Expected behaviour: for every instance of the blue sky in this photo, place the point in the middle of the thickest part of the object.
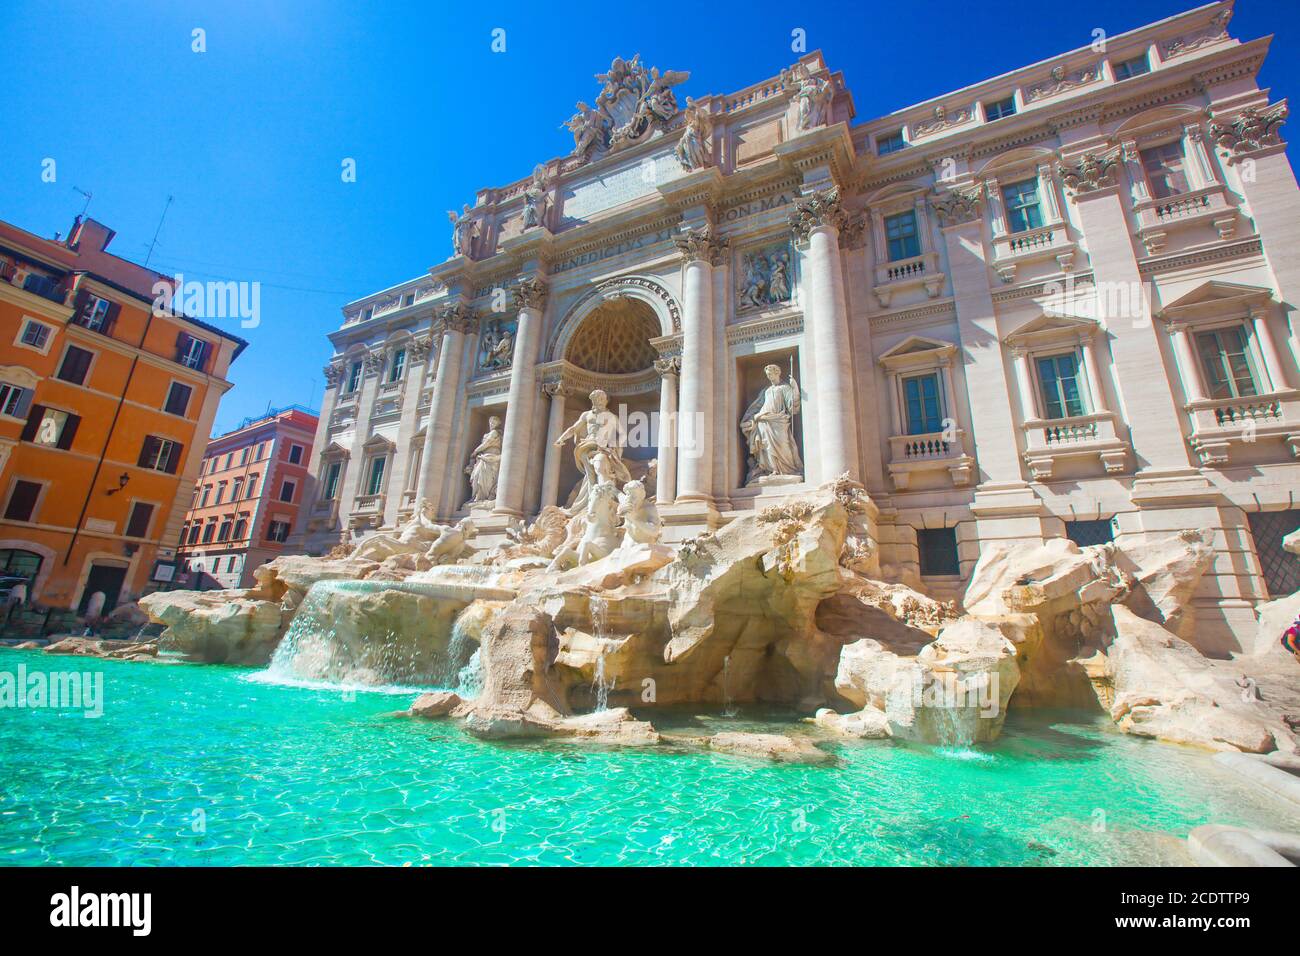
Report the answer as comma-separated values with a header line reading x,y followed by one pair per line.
x,y
249,137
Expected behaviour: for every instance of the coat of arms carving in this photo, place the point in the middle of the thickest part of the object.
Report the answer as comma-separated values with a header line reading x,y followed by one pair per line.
x,y
633,103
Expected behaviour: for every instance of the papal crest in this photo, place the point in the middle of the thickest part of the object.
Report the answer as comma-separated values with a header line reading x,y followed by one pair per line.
x,y
632,104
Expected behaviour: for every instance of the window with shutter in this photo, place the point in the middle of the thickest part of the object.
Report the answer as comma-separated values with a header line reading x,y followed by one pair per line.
x,y
14,401
22,501
149,452
137,526
178,399
50,427
76,363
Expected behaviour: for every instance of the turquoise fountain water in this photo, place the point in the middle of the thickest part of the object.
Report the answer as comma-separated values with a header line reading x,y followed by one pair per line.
x,y
199,764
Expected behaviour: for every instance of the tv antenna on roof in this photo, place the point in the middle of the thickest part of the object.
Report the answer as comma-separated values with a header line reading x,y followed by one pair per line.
x,y
88,196
158,230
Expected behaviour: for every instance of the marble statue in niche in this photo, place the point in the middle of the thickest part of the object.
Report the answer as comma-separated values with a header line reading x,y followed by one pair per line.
x,y
768,427
597,450
765,277
485,465
497,345
463,231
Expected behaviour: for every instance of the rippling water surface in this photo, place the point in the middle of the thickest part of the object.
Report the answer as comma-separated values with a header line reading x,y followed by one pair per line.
x,y
207,765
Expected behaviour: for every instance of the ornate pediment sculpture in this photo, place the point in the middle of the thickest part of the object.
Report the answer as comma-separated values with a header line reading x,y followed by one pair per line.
x,y
633,103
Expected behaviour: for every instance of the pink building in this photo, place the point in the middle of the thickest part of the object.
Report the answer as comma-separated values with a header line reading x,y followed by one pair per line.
x,y
247,497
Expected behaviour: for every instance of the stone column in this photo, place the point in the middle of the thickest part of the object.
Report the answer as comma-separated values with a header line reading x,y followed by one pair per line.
x,y
666,484
354,479
1190,371
1025,383
557,392
457,322
1268,348
1093,372
817,219
700,247
520,404
417,355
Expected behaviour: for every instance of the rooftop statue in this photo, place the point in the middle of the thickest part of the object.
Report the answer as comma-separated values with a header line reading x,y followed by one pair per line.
x,y
694,150
463,231
536,199
812,97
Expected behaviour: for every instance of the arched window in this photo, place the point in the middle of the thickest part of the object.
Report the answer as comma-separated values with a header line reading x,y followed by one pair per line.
x,y
17,563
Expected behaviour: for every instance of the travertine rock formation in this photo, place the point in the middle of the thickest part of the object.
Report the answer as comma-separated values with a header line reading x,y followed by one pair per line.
x,y
219,627
773,608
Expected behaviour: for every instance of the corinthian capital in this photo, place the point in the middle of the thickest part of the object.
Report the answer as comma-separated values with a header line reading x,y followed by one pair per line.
x,y
672,365
333,374
458,318
531,293
822,208
957,206
1251,130
701,245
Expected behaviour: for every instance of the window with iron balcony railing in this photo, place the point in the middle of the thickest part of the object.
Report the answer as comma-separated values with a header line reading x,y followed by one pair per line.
x,y
926,440
1064,412
1240,400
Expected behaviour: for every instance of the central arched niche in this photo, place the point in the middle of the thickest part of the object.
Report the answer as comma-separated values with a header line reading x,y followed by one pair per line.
x,y
613,343
615,338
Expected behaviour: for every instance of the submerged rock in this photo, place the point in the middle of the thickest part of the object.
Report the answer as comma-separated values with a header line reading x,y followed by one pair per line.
x,y
438,703
775,747
108,650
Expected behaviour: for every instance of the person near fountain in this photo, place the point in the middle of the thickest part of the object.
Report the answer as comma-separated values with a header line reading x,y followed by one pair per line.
x,y
597,431
485,465
768,427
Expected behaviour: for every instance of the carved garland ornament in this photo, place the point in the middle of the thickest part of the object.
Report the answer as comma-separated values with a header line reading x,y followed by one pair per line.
x,y
957,206
1090,173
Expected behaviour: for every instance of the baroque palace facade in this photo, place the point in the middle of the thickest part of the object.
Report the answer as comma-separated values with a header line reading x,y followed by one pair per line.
x,y
1055,303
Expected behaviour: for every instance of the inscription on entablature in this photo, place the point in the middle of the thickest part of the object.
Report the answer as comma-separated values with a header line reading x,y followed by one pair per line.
x,y
745,210
616,249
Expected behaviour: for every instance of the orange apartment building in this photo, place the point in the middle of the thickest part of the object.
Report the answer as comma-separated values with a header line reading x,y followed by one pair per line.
x,y
246,500
105,407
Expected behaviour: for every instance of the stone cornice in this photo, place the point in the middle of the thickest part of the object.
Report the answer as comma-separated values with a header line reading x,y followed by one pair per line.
x,y
1217,253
